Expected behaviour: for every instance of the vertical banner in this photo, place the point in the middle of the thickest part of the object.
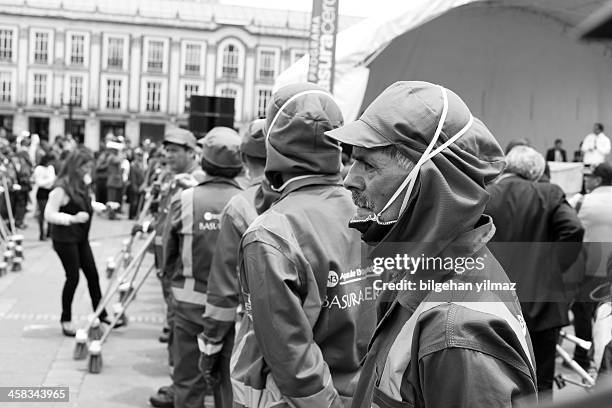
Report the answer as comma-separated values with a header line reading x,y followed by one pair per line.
x,y
322,48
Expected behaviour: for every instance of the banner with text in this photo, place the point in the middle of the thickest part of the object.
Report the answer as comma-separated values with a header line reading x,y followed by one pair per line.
x,y
322,48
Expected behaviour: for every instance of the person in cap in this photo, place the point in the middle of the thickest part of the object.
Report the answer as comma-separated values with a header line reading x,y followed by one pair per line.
x,y
189,242
114,182
223,293
309,313
421,165
545,236
183,172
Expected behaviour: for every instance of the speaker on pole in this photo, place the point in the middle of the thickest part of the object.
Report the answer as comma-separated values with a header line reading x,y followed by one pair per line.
x,y
207,112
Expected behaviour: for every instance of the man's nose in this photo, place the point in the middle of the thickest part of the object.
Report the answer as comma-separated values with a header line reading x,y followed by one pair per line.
x,y
354,180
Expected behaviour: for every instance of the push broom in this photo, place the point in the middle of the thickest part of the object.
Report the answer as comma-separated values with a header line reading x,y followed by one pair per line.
x,y
82,335
95,348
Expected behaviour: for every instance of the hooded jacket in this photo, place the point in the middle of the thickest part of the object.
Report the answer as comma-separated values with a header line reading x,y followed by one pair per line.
x,y
459,348
308,313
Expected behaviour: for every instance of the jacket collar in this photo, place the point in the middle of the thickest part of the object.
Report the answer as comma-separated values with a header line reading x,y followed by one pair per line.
x,y
315,179
219,180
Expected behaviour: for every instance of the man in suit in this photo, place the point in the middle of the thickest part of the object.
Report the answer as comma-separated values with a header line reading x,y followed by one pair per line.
x,y
534,242
556,153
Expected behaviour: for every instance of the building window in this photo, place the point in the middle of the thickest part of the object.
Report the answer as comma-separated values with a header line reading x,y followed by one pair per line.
x,y
113,93
6,83
115,53
267,64
155,61
153,96
263,96
6,45
41,48
190,89
229,92
192,59
40,89
77,52
230,61
76,91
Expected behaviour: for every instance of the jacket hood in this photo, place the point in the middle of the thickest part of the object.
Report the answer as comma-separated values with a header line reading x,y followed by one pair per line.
x,y
298,117
449,194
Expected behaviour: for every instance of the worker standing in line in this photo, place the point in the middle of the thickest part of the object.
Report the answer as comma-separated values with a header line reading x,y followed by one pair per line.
x,y
310,313
190,237
223,296
180,147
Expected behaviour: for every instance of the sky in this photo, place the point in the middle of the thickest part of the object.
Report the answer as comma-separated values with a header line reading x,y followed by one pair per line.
x,y
360,8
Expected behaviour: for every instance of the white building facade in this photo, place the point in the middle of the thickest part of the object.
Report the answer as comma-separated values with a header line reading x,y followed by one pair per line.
x,y
130,68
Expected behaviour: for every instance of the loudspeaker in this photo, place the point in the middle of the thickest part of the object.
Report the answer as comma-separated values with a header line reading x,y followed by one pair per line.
x,y
207,112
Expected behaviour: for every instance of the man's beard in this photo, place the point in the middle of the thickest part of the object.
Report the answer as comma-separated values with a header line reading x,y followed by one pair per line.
x,y
362,201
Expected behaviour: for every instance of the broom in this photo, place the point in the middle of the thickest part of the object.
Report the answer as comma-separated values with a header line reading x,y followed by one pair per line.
x,y
95,348
111,290
80,350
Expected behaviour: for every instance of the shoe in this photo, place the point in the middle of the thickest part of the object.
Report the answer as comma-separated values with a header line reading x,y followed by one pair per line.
x,y
164,337
120,323
165,400
21,226
166,330
68,330
165,389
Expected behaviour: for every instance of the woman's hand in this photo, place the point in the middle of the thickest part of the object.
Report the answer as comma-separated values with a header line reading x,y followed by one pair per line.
x,y
80,218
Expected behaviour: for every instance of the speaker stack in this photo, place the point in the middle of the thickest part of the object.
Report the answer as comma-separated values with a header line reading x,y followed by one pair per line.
x,y
207,112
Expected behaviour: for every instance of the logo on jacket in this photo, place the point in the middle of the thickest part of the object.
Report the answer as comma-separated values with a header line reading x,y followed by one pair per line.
x,y
211,222
332,279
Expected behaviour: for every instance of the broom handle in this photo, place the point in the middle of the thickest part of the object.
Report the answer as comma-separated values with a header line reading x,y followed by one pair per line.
x,y
579,370
9,208
128,300
112,289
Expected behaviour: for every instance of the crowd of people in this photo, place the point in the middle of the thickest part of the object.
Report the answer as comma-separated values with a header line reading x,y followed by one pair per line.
x,y
278,229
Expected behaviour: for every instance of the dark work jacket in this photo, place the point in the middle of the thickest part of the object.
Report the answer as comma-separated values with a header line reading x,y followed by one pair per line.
x,y
550,155
535,243
74,232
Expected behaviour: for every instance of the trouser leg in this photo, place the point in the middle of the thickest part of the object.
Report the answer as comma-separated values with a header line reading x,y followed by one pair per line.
x,y
583,328
69,256
189,385
545,350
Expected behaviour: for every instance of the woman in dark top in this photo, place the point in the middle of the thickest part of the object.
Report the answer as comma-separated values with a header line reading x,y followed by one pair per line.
x,y
69,210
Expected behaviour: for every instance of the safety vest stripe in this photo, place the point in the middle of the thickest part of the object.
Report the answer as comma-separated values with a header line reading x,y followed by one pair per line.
x,y
222,314
187,231
159,241
399,354
248,396
188,294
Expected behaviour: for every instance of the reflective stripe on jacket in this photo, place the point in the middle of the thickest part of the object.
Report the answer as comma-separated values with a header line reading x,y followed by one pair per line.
x,y
309,312
191,235
223,288
453,348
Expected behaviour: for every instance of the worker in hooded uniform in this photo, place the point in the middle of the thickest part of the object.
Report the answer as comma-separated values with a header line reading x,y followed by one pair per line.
x,y
421,165
309,313
223,295
183,171
190,238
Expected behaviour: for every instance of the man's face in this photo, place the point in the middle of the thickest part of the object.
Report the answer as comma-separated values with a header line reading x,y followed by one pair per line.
x,y
559,145
373,179
591,182
596,129
178,157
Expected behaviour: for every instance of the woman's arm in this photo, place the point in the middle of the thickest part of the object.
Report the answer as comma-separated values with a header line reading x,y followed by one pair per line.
x,y
57,199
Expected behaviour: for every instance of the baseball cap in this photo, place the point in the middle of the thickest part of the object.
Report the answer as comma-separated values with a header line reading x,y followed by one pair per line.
x,y
221,147
254,140
405,110
181,137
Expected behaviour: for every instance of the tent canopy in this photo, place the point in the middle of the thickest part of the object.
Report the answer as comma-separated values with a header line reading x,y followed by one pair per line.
x,y
516,63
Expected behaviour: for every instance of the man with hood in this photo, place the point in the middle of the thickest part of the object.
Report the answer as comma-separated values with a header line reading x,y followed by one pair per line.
x,y
223,293
191,232
421,165
309,313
